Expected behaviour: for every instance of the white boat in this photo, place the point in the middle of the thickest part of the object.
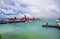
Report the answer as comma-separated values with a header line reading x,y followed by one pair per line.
x,y
58,24
58,21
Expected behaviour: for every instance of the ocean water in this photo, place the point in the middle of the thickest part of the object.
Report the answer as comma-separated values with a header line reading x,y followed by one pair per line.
x,y
29,30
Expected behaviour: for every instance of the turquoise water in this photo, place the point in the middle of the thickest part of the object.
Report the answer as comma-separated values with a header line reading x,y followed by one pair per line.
x,y
29,30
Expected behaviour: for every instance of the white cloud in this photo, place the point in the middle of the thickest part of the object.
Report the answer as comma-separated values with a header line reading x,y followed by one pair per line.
x,y
28,15
8,11
3,10
39,8
53,7
19,16
33,9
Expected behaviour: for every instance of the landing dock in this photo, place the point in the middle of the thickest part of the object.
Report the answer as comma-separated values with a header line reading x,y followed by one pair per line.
x,y
52,25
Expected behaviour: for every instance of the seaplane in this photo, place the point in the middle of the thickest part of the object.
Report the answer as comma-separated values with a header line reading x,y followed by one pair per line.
x,y
11,19
17,20
23,19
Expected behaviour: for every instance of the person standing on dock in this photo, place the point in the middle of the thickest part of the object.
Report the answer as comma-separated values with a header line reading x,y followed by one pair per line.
x,y
46,24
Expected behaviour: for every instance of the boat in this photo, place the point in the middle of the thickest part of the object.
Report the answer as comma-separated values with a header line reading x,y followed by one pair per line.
x,y
58,24
58,20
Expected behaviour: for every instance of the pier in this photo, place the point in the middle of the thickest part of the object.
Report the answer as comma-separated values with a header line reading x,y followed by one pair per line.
x,y
52,25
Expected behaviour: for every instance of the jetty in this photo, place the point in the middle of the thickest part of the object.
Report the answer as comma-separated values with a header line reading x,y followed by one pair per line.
x,y
52,25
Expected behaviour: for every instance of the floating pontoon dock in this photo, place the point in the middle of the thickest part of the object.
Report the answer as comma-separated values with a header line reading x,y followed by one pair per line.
x,y
53,26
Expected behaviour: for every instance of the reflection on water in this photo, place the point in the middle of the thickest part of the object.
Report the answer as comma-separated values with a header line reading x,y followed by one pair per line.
x,y
29,30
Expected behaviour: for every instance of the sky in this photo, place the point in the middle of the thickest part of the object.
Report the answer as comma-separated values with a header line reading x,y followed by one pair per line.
x,y
37,8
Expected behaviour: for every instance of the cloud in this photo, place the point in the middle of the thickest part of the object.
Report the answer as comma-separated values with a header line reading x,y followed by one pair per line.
x,y
9,2
37,8
52,7
33,9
